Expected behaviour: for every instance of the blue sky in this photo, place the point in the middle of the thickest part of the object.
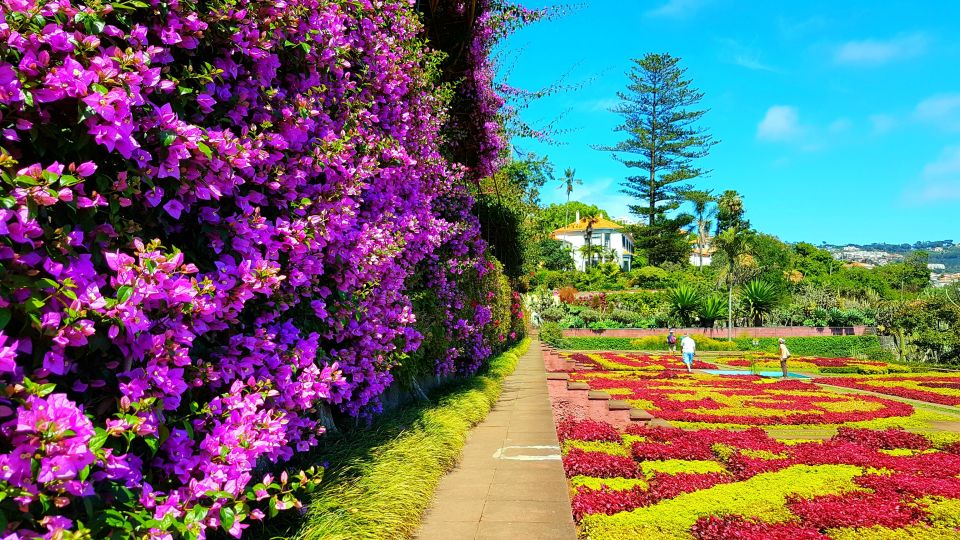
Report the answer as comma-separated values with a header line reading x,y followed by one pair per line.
x,y
838,123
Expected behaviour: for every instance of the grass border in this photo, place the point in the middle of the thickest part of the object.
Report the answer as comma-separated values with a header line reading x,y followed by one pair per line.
x,y
385,476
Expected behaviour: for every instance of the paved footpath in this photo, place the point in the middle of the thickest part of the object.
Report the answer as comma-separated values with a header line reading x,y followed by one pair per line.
x,y
509,483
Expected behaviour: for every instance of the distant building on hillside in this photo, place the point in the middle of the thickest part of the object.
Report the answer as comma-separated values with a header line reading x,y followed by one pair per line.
x,y
610,237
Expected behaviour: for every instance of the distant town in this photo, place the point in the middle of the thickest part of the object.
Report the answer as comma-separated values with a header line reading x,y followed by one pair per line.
x,y
944,255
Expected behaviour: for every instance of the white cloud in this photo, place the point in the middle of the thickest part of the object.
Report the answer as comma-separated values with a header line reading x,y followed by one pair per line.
x,y
947,164
881,124
875,52
677,8
940,181
737,53
780,123
942,110
598,105
840,125
750,62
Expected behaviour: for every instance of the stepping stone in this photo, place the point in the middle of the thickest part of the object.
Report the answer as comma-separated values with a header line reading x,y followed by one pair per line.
x,y
618,405
578,386
640,415
598,394
558,376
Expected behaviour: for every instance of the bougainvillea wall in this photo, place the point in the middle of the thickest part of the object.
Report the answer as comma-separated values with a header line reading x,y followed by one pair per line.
x,y
213,216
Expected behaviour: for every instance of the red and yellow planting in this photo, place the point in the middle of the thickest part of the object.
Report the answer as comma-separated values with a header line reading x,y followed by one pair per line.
x,y
741,400
610,361
713,484
933,388
814,364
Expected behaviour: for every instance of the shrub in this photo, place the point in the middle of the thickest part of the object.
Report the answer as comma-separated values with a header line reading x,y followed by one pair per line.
x,y
551,333
568,295
211,217
823,346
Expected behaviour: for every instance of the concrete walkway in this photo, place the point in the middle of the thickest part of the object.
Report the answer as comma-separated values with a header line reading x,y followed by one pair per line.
x,y
510,482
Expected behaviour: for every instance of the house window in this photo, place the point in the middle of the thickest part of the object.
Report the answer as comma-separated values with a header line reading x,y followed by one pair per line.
x,y
606,240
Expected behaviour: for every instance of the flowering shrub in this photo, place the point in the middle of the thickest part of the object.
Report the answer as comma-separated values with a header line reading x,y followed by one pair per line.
x,y
211,218
931,388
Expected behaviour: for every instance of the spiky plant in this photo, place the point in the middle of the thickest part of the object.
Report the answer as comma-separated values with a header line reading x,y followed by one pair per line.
x,y
760,297
712,309
685,302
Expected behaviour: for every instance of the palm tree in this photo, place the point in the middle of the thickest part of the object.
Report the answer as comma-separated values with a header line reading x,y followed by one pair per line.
x,y
732,242
569,180
591,219
761,297
704,212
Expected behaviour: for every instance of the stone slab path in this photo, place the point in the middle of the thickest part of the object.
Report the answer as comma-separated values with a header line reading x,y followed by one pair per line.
x,y
510,482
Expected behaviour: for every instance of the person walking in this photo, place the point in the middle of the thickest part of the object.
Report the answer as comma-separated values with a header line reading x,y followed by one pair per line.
x,y
672,342
784,355
689,348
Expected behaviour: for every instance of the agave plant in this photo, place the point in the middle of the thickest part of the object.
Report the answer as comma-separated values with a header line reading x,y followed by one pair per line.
x,y
712,309
684,301
760,297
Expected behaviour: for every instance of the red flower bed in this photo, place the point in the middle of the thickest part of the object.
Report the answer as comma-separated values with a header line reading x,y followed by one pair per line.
x,y
889,499
900,386
587,430
808,408
598,464
856,509
886,439
607,501
662,486
727,527
632,361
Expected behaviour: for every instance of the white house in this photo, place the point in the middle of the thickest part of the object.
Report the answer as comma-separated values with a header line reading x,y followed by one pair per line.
x,y
702,257
606,234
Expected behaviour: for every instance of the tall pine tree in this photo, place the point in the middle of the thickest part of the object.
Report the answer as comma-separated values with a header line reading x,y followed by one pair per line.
x,y
663,140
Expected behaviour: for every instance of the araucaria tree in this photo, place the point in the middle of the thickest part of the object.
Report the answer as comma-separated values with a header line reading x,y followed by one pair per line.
x,y
663,138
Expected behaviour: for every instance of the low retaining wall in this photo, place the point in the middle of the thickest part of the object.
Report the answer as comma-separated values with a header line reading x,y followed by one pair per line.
x,y
758,332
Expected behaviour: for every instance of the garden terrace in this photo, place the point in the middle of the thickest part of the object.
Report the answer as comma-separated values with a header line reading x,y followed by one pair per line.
x,y
823,463
934,388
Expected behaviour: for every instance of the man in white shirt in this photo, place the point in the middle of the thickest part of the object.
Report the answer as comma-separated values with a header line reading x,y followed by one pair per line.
x,y
688,347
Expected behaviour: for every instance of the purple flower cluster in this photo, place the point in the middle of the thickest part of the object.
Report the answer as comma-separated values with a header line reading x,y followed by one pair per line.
x,y
210,222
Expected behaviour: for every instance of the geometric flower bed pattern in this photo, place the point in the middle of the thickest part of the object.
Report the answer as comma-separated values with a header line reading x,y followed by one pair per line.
x,y
942,389
741,400
636,362
814,364
713,484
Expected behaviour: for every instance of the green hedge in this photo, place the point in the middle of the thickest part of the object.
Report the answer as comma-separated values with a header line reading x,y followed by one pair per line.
x,y
822,346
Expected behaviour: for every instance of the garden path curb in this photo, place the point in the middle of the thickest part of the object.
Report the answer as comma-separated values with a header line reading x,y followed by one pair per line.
x,y
509,483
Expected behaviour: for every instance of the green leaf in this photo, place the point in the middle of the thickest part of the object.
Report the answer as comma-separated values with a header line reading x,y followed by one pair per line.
x,y
204,149
98,440
4,318
33,304
227,517
48,283
124,293
46,389
68,180
167,137
153,443
25,181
